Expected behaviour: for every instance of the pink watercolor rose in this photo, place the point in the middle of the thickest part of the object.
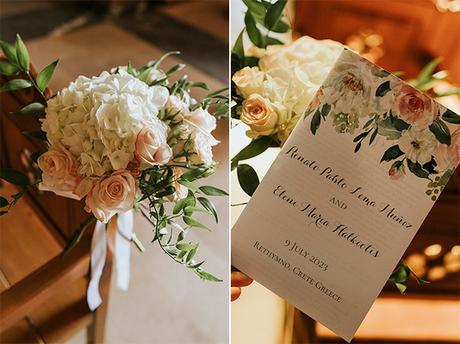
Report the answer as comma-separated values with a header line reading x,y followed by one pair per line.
x,y
448,156
112,195
414,107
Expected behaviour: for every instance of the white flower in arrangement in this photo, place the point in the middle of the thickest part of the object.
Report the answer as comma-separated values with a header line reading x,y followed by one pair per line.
x,y
287,77
259,114
248,80
97,119
418,144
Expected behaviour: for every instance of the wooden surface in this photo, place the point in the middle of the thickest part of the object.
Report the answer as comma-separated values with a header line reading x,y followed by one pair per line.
x,y
413,31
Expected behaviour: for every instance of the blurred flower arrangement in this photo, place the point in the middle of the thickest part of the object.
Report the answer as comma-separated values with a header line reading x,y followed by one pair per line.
x,y
126,139
274,82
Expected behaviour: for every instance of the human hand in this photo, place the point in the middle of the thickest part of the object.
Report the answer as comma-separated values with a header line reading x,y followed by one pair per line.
x,y
238,280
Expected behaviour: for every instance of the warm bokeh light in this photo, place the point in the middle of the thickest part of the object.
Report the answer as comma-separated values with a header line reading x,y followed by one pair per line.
x,y
417,263
437,272
433,251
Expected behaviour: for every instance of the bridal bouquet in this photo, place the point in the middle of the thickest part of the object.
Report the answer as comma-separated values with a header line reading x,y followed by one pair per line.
x,y
126,139
274,82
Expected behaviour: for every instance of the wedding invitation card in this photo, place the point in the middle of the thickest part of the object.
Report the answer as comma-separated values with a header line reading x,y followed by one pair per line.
x,y
347,193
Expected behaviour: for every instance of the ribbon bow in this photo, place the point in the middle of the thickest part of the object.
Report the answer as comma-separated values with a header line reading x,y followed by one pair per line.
x,y
122,252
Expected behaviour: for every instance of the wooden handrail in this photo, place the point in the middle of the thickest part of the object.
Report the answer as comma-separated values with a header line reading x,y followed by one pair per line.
x,y
24,296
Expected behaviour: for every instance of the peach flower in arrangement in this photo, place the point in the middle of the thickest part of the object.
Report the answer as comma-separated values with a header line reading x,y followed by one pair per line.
x,y
112,195
59,174
259,115
151,145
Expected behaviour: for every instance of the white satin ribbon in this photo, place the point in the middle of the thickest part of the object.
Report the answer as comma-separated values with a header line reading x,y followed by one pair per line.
x,y
99,251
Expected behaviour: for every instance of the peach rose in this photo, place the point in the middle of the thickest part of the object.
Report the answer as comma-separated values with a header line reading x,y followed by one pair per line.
x,y
259,115
112,195
414,107
59,174
448,156
151,146
181,190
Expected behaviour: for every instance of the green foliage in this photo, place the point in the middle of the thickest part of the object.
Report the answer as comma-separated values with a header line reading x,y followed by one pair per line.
x,y
18,60
248,179
45,75
157,187
14,85
401,276
256,147
33,109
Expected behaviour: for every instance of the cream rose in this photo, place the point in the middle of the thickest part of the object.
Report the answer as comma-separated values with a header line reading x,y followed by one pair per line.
x,y
248,80
202,119
59,174
151,146
111,195
259,115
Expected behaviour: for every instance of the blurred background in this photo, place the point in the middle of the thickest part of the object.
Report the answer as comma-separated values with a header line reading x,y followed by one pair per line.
x,y
403,36
165,303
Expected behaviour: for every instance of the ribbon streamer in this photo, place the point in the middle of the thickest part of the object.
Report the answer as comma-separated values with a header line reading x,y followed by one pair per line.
x,y
99,252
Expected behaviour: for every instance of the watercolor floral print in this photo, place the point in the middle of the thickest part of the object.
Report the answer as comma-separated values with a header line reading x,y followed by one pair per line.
x,y
367,102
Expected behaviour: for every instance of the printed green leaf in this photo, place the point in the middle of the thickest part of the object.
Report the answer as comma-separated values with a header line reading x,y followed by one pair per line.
x,y
441,131
381,73
417,169
248,179
391,153
253,32
373,136
274,13
451,117
383,89
315,122
34,109
7,68
212,191
14,85
14,177
325,110
22,54
45,75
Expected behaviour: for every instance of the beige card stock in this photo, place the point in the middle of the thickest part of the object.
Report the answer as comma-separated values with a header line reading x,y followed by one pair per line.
x,y
347,193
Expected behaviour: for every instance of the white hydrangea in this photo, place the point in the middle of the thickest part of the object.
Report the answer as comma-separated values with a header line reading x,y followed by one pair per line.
x,y
97,119
288,76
